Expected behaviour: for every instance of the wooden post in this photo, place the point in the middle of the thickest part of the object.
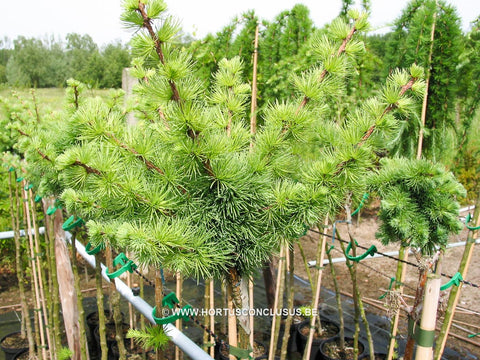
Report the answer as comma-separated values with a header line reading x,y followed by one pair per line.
x,y
68,296
455,291
426,333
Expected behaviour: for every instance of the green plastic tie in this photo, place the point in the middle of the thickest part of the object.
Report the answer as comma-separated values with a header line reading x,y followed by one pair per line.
x,y
473,335
467,220
93,251
331,248
52,208
425,338
170,300
37,198
28,187
11,169
127,265
71,224
362,202
455,280
371,251
392,280
20,179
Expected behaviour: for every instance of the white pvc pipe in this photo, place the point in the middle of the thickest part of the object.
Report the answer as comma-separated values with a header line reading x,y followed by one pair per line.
x,y
391,253
10,234
177,337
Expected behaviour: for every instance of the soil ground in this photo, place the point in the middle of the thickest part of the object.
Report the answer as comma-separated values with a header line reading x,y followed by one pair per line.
x,y
374,277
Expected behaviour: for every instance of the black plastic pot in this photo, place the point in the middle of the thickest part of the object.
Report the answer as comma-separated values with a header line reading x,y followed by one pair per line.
x,y
332,330
322,350
20,355
11,352
221,351
378,356
292,345
111,341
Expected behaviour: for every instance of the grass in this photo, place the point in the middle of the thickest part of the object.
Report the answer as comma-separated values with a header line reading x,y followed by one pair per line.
x,y
48,98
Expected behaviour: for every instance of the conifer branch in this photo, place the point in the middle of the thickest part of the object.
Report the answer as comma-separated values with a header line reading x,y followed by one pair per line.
x,y
389,108
147,23
23,133
372,128
45,157
87,168
324,73
142,158
147,163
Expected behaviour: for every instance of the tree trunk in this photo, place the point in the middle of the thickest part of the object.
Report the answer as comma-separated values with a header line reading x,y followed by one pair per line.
x,y
100,307
53,278
269,280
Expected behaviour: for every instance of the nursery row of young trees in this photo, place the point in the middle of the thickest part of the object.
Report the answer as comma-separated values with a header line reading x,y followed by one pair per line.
x,y
197,188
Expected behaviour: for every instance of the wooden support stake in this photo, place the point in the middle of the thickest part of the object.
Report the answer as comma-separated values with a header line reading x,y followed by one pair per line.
x,y
212,316
178,323
320,259
429,315
455,291
36,285
253,110
281,260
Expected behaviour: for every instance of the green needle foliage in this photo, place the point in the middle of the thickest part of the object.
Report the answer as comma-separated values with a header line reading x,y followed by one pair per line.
x,y
418,207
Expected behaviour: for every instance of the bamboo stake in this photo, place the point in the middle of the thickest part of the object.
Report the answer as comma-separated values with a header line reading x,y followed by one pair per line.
x,y
427,83
320,259
290,269
253,110
429,312
251,305
50,344
212,316
33,260
130,306
455,291
26,328
271,352
206,319
178,323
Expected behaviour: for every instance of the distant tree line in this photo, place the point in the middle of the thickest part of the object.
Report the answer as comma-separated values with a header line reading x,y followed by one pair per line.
x,y
33,62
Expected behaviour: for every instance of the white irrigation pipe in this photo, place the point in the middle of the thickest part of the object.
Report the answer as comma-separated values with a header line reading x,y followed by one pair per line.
x,y
177,337
391,253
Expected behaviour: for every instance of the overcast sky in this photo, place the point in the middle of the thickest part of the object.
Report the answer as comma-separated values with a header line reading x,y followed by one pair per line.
x,y
100,18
